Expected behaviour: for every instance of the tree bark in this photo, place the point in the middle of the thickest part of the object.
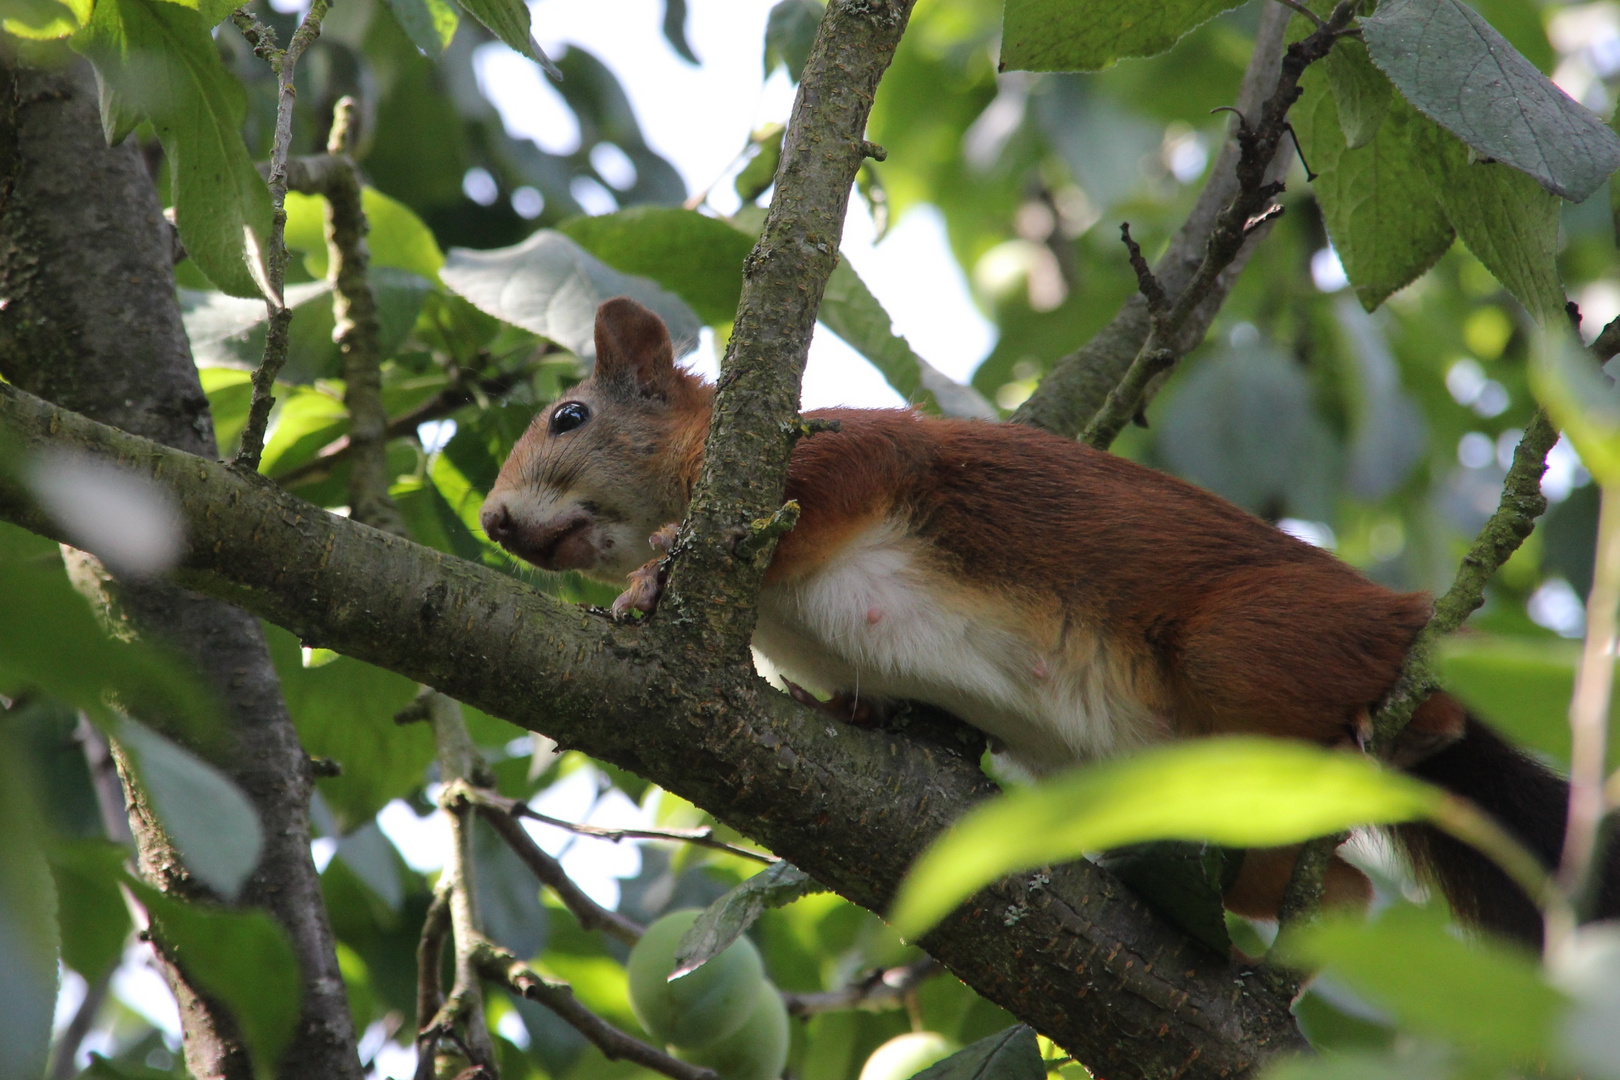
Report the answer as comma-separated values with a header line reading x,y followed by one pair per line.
x,y
1070,950
91,322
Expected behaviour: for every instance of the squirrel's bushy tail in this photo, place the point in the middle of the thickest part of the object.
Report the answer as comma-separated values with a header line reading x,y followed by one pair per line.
x,y
1529,800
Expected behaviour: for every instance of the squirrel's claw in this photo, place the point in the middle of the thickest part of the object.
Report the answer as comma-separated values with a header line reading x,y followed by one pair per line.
x,y
647,580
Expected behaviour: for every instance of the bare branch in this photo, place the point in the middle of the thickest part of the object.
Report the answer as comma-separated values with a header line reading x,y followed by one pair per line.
x,y
1249,209
499,965
1075,388
886,988
591,915
285,65
700,837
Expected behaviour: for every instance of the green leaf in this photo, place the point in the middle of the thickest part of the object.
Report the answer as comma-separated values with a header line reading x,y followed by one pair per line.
x,y
729,917
675,30
430,24
1183,881
239,958
158,60
1065,35
551,285
1241,792
1507,220
344,710
29,939
395,236
1522,687
213,825
1013,1054
49,640
849,310
230,395
229,332
509,21
43,20
91,910
1581,399
760,173
1490,1000
790,30
1386,226
1360,91
1449,62
694,256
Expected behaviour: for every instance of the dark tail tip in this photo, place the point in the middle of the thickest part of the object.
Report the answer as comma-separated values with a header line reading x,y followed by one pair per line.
x,y
1529,800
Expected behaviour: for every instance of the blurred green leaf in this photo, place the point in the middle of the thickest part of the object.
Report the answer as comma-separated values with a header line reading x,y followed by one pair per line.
x,y
43,20
1413,1060
430,23
230,395
1489,1000
509,21
158,60
1507,220
1581,399
29,939
1521,686
849,310
694,256
395,236
212,823
675,30
1013,1054
1241,792
240,958
551,285
1061,35
790,30
94,919
1450,63
1375,199
49,640
760,173
1183,881
1360,91
344,710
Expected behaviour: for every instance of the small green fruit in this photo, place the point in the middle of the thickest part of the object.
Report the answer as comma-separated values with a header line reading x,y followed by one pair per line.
x,y
756,1051
904,1056
702,1007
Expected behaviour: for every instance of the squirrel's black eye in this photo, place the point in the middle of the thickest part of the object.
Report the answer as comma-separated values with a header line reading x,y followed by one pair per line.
x,y
568,416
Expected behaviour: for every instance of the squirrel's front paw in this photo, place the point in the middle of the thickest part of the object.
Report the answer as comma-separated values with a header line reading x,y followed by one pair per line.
x,y
647,580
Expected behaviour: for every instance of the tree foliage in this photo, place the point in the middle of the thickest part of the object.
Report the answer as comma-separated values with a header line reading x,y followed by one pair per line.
x,y
1362,381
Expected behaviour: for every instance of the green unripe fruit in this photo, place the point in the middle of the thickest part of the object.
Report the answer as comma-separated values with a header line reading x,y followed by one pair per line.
x,y
756,1051
904,1056
699,1008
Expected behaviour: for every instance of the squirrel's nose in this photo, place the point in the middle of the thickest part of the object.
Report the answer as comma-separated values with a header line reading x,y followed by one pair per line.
x,y
497,522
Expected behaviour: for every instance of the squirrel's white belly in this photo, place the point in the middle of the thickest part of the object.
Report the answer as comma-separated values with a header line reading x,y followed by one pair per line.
x,y
881,620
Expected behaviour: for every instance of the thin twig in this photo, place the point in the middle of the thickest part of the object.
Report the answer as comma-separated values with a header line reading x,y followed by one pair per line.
x,y
1250,208
65,1065
1295,5
1580,866
701,837
499,965
357,333
1607,343
285,64
590,914
1153,292
886,988
461,391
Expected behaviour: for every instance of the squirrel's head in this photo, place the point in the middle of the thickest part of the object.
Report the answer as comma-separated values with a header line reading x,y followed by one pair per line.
x,y
610,462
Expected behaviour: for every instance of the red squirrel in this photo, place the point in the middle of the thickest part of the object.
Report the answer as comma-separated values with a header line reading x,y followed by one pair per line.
x,y
1070,603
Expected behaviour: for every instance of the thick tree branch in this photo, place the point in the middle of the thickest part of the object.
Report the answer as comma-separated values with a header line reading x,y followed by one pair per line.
x,y
1072,951
1075,388
712,586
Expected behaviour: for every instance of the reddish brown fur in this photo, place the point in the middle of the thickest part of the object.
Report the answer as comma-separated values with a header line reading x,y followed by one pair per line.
x,y
1207,619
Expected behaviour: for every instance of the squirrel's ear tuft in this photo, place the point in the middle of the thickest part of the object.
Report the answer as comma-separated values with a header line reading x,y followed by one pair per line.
x,y
633,349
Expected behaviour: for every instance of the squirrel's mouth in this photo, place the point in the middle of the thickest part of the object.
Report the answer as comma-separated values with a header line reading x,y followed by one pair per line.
x,y
566,544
